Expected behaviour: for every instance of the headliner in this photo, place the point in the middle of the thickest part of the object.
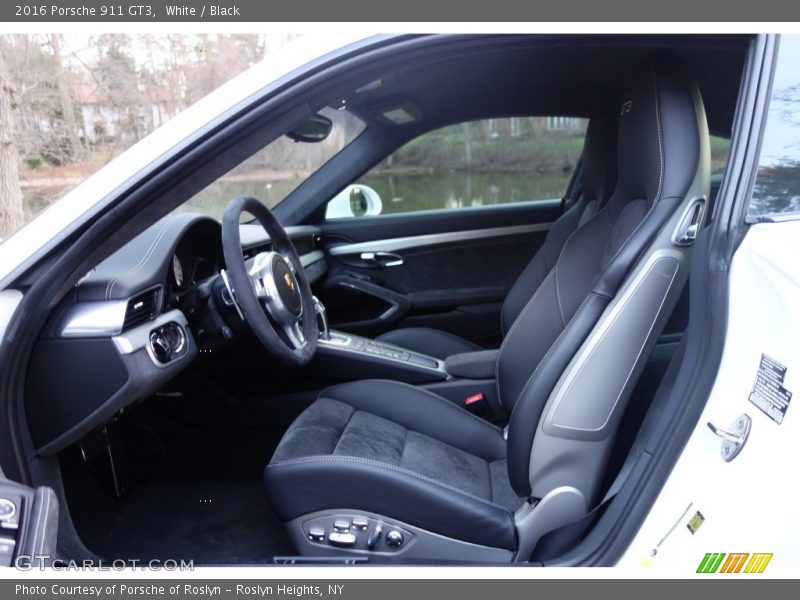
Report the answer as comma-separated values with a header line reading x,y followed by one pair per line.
x,y
501,76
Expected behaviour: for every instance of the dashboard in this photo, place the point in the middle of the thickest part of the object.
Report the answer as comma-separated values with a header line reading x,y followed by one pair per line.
x,y
135,321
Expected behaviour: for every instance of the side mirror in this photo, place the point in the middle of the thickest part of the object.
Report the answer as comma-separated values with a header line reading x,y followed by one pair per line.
x,y
354,201
311,130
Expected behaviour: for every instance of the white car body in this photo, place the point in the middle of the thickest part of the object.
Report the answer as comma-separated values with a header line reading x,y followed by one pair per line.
x,y
749,503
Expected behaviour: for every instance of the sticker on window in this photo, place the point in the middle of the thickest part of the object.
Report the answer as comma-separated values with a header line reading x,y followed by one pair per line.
x,y
768,393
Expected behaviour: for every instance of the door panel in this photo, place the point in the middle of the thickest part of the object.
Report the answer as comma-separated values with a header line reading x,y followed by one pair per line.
x,y
448,269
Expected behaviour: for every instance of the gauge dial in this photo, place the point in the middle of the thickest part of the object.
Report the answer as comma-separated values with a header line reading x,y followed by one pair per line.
x,y
177,270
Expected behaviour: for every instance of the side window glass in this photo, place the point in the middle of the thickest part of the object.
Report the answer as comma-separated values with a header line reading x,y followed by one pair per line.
x,y
777,186
473,164
720,147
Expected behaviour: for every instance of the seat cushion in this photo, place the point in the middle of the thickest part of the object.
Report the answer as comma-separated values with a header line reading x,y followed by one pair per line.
x,y
402,452
432,342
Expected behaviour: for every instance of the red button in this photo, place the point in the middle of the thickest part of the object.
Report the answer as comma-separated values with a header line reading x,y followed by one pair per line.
x,y
474,398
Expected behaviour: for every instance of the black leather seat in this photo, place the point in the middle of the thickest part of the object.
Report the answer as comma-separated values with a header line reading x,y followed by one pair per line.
x,y
406,455
598,178
374,444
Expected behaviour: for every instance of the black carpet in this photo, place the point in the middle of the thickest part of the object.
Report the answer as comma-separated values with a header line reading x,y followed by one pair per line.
x,y
193,460
210,523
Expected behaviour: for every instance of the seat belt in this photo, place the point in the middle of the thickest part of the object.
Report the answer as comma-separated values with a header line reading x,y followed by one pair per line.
x,y
557,541
627,468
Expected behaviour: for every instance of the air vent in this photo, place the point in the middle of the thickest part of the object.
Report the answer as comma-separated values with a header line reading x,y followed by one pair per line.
x,y
141,309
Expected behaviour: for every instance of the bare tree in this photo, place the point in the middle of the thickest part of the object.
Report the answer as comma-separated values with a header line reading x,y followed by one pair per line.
x,y
116,72
71,104
12,215
32,72
70,124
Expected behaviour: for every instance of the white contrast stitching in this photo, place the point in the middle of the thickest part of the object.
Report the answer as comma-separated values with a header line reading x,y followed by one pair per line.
x,y
113,282
558,296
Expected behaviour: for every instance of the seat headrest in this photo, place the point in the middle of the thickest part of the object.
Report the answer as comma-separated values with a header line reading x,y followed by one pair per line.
x,y
659,143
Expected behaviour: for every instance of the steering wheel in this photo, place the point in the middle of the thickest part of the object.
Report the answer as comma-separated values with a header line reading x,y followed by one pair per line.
x,y
271,289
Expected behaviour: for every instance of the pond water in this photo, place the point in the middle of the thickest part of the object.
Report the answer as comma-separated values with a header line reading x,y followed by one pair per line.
x,y
399,192
404,192
412,192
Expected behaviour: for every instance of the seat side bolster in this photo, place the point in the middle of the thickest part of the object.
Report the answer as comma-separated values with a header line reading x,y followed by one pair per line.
x,y
523,425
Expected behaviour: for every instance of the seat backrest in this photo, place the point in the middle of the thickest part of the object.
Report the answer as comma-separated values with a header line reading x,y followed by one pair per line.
x,y
662,168
598,175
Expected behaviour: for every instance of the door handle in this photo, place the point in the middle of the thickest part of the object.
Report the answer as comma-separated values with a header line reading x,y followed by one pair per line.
x,y
690,223
382,259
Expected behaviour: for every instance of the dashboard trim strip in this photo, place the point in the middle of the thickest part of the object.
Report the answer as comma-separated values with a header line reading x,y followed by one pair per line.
x,y
94,319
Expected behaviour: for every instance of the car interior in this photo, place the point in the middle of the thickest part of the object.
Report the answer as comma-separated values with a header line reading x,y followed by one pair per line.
x,y
458,385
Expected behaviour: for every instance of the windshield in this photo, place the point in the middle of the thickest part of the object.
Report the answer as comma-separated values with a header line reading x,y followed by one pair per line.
x,y
276,170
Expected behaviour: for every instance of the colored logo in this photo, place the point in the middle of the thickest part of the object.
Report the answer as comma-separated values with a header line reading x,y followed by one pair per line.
x,y
737,562
287,279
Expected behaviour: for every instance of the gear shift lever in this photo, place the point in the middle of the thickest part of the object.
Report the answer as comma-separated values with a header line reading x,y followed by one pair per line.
x,y
319,308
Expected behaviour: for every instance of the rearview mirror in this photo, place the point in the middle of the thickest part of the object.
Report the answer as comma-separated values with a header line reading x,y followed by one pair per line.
x,y
313,129
354,201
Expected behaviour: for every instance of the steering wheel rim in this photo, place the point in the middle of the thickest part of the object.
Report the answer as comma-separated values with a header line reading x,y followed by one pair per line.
x,y
271,289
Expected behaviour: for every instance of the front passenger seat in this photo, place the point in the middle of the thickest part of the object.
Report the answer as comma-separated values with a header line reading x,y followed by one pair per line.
x,y
598,178
380,467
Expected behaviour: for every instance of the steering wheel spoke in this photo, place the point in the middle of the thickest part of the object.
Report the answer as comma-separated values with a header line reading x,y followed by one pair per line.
x,y
294,333
257,265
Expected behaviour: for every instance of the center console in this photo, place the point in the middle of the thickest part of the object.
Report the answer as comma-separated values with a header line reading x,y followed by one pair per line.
x,y
347,355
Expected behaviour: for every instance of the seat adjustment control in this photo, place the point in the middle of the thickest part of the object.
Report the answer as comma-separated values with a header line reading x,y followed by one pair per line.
x,y
7,509
341,525
394,539
344,531
346,540
374,537
9,515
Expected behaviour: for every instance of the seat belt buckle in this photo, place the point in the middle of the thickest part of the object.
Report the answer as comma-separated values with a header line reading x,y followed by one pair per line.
x,y
476,404
474,399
